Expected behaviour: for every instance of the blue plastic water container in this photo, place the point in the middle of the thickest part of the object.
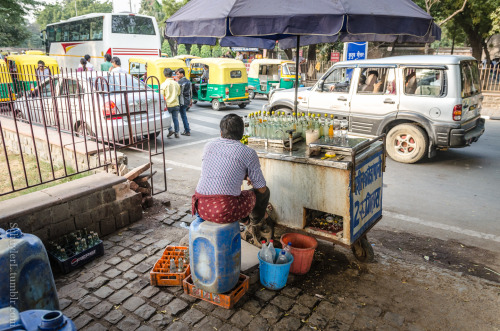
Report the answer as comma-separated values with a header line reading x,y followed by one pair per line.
x,y
26,280
274,276
31,320
215,255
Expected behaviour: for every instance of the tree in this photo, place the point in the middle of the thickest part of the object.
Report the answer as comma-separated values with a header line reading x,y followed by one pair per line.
x,y
13,29
181,50
165,48
195,50
205,51
216,51
63,10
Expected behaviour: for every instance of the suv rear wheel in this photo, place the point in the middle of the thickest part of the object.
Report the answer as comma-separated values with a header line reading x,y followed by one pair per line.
x,y
407,143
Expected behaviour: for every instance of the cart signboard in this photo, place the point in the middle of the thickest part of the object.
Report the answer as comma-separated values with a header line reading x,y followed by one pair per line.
x,y
366,201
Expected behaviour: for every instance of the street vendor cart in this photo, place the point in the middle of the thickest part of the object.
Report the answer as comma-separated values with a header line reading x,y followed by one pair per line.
x,y
337,198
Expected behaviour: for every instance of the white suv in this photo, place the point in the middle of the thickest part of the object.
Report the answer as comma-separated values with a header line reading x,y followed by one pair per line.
x,y
423,103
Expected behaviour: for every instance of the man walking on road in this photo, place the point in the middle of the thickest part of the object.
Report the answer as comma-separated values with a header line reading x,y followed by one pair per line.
x,y
171,90
185,99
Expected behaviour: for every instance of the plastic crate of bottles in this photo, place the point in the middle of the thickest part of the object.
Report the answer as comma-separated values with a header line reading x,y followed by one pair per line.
x,y
172,268
75,249
224,300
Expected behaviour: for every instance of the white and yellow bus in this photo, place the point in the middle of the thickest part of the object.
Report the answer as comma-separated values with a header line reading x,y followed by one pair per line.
x,y
118,34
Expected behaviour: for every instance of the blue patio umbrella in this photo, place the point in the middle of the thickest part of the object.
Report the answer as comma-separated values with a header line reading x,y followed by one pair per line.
x,y
295,23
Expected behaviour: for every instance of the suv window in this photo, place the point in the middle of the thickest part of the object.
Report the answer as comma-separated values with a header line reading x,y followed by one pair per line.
x,y
424,82
377,81
339,80
469,74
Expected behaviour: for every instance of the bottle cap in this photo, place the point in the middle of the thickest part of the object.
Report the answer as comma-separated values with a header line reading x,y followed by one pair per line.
x,y
271,240
290,243
263,242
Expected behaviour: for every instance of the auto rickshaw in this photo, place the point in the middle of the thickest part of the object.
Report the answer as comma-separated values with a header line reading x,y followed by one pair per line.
x,y
164,55
143,67
227,82
23,69
7,92
186,58
268,74
35,53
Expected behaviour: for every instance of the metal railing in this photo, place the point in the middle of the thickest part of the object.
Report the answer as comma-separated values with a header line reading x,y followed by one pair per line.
x,y
69,116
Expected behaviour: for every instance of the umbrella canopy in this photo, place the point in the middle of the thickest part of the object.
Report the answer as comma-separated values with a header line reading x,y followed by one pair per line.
x,y
258,23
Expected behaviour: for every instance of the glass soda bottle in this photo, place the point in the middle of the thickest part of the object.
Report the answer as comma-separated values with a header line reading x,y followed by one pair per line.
x,y
173,268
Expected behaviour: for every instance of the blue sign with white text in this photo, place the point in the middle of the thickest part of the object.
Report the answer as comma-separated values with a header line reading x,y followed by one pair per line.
x,y
356,51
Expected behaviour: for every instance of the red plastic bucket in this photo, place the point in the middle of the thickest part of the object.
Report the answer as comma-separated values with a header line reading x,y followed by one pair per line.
x,y
303,248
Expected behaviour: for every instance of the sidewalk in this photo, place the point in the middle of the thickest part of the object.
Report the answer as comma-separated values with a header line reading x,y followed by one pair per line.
x,y
393,293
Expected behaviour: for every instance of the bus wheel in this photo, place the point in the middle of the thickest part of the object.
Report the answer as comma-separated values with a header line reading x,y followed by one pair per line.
x,y
216,104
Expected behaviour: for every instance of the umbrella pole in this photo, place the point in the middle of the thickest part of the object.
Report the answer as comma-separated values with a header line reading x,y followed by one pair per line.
x,y
295,104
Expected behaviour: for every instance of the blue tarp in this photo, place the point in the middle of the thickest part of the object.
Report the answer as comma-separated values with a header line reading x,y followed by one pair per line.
x,y
260,23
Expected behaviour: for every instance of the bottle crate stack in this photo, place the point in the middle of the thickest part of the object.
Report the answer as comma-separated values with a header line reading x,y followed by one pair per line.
x,y
75,249
172,268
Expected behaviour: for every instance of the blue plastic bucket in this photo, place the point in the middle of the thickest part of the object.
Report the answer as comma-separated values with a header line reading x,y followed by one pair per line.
x,y
274,276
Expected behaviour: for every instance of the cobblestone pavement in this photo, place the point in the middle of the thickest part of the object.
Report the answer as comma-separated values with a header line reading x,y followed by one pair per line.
x,y
113,292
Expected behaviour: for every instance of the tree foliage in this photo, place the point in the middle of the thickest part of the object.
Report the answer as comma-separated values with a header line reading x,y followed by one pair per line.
x,y
181,50
216,51
195,50
63,10
206,51
13,25
165,48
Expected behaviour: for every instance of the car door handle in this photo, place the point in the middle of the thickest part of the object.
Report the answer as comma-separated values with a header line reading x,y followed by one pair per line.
x,y
342,99
389,101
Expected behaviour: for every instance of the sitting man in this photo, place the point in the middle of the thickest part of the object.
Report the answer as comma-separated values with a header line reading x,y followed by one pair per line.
x,y
226,163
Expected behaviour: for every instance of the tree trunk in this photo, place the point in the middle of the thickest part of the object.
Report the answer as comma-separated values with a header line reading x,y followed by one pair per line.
x,y
188,48
173,46
311,62
486,51
289,53
452,44
477,48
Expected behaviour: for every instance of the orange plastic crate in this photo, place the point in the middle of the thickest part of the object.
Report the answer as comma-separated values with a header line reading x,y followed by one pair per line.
x,y
160,275
226,300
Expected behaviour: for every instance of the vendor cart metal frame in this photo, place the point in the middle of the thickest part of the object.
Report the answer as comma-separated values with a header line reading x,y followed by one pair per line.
x,y
348,185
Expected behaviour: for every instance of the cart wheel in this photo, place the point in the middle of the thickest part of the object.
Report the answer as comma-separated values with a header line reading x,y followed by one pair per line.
x,y
363,251
216,104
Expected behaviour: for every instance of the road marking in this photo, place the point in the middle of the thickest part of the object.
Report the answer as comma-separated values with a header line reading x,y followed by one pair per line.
x,y
442,226
183,165
190,144
204,129
203,118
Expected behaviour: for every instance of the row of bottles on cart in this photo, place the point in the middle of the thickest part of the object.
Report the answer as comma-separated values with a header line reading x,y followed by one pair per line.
x,y
73,244
181,265
273,125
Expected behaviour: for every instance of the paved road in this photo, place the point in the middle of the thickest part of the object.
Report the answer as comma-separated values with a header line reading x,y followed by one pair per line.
x,y
454,195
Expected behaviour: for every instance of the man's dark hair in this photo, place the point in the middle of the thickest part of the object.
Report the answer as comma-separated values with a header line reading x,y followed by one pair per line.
x,y
232,127
181,71
41,62
116,60
107,57
87,57
167,72
205,66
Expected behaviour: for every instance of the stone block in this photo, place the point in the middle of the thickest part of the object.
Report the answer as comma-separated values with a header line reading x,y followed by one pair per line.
x,y
135,213
60,229
60,212
121,190
43,234
108,195
193,316
82,321
103,292
176,307
101,309
133,303
78,206
107,226
114,316
283,302
99,213
122,219
120,296
83,220
288,323
145,311
242,318
41,219
94,200
117,283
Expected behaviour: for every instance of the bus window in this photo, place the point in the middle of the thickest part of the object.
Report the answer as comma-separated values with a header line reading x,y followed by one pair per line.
x,y
132,25
96,28
65,32
58,33
51,33
74,29
84,29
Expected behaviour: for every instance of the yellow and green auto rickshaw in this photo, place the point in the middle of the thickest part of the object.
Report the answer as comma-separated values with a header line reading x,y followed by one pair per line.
x,y
143,67
268,74
35,53
227,82
7,92
186,58
24,70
